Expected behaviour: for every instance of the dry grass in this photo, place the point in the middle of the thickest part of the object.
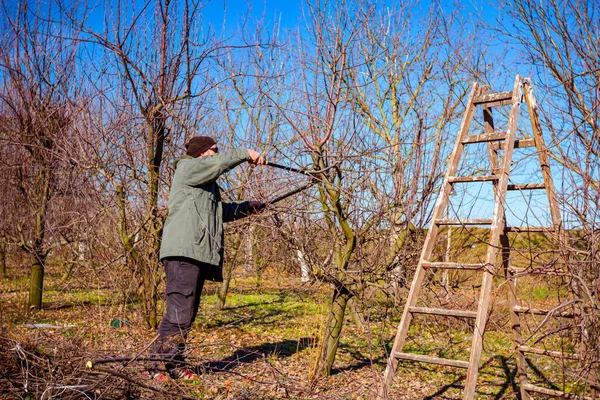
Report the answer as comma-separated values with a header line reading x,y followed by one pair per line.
x,y
262,346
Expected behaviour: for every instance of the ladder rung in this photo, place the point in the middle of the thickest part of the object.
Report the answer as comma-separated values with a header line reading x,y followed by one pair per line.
x,y
432,360
526,186
549,353
479,178
461,222
443,312
529,229
540,271
554,393
536,311
493,98
485,137
519,144
451,265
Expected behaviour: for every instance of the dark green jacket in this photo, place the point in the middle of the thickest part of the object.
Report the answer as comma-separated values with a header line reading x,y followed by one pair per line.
x,y
194,225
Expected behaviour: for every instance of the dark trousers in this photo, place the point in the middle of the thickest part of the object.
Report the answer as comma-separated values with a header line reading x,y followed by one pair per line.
x,y
185,280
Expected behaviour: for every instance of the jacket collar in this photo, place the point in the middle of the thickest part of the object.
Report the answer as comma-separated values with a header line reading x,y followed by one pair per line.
x,y
184,157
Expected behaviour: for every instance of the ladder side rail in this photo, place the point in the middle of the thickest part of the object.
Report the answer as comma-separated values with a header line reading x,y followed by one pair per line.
x,y
441,204
542,151
511,287
488,123
515,319
544,158
492,254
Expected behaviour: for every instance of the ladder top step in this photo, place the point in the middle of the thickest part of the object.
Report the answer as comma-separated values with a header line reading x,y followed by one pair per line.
x,y
431,360
461,222
526,186
493,97
519,144
485,137
443,312
451,265
473,178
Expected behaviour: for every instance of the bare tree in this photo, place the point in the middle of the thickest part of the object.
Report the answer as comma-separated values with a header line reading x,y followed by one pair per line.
x,y
152,70
407,88
38,101
374,98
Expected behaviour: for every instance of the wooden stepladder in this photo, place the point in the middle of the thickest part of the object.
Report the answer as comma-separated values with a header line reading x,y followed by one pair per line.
x,y
504,142
569,308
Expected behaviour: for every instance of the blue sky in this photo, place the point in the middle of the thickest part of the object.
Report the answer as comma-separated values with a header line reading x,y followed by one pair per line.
x,y
227,15
286,13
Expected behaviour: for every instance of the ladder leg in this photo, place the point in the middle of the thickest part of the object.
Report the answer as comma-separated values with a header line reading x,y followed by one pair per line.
x,y
514,318
401,332
492,253
476,346
428,246
511,287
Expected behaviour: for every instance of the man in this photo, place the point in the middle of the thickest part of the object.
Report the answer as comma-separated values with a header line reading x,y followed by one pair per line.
x,y
192,244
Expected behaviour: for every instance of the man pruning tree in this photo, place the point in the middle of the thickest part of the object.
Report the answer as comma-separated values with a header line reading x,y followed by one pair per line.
x,y
192,242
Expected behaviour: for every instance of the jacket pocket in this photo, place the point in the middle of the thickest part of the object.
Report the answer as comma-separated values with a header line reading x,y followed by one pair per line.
x,y
199,225
200,233
179,286
181,278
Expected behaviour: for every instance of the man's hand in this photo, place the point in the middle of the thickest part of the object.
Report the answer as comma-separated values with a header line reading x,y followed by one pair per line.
x,y
256,206
257,159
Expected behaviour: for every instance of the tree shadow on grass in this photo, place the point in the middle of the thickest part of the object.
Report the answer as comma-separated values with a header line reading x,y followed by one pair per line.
x,y
237,321
59,305
509,382
361,360
250,305
246,356
281,297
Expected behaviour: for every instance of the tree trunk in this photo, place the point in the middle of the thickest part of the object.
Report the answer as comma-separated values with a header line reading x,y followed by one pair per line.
x,y
304,267
37,283
357,315
250,260
152,271
150,294
67,274
38,254
224,286
3,251
333,329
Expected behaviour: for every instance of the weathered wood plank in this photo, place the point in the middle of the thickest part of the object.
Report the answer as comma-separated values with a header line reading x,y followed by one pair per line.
x,y
485,137
555,393
519,144
549,353
432,360
443,312
493,98
451,265
526,186
525,229
461,222
537,311
473,178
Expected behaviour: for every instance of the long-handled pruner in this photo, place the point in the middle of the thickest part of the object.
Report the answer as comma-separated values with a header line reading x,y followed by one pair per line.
x,y
311,174
296,170
286,195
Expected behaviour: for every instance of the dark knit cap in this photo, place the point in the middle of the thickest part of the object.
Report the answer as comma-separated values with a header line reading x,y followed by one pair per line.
x,y
198,145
